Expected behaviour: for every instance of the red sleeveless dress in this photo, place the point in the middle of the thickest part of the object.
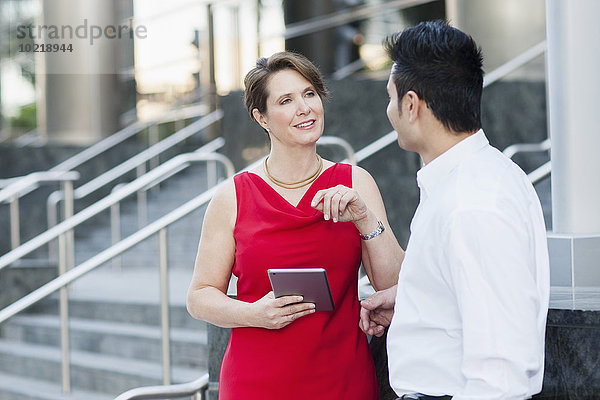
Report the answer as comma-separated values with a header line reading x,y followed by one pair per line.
x,y
324,355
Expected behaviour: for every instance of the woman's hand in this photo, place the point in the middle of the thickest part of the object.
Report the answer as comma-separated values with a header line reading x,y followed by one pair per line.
x,y
276,313
340,203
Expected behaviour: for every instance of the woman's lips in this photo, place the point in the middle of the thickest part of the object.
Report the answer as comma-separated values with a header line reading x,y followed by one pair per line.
x,y
306,124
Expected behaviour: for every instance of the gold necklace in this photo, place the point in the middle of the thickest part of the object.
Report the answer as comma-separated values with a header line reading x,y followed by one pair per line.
x,y
297,184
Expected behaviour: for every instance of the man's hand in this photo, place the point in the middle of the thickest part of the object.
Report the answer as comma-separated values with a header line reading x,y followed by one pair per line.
x,y
376,311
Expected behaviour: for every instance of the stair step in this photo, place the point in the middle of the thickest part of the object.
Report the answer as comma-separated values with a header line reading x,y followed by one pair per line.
x,y
19,388
89,371
142,342
136,310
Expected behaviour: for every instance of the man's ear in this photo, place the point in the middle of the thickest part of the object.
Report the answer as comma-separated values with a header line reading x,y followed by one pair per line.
x,y
260,118
411,105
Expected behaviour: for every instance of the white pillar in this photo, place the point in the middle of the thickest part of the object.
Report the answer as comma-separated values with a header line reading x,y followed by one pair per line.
x,y
78,98
504,29
573,77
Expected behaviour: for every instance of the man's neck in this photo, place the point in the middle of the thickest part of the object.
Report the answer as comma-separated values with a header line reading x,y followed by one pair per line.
x,y
440,142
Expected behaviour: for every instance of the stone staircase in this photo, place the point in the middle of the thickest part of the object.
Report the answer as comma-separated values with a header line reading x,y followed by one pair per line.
x,y
111,351
114,313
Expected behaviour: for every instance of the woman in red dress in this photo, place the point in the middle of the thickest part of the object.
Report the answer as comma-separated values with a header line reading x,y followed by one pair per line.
x,y
294,211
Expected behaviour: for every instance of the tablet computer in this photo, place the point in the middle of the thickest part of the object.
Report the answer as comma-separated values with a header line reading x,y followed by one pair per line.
x,y
310,283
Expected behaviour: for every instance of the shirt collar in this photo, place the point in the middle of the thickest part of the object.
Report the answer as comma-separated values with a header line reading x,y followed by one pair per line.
x,y
429,175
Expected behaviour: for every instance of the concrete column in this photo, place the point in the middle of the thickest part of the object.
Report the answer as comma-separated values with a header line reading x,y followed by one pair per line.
x,y
79,98
573,77
503,29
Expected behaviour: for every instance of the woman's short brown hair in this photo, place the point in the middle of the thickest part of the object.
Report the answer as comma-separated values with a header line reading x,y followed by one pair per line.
x,y
257,79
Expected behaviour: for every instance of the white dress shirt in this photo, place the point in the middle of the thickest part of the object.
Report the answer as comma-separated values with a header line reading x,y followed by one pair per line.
x,y
472,299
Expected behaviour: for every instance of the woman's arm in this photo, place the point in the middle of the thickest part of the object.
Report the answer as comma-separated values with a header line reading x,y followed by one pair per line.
x,y
363,205
382,255
207,299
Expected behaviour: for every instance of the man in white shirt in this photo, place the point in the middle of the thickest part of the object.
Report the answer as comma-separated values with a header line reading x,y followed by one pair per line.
x,y
469,311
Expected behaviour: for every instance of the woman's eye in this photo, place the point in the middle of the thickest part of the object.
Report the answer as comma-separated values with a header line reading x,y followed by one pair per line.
x,y
285,101
310,94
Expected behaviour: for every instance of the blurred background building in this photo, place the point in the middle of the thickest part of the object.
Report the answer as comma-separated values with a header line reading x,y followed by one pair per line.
x,y
189,46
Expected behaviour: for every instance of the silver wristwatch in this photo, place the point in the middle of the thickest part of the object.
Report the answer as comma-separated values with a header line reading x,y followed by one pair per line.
x,y
373,234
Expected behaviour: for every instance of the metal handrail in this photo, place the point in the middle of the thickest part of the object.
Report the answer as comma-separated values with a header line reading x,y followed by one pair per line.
x,y
95,150
7,181
115,219
115,250
147,155
13,191
70,223
28,185
517,62
342,17
68,275
22,183
348,69
118,137
170,391
132,164
4,182
377,145
337,141
514,149
540,173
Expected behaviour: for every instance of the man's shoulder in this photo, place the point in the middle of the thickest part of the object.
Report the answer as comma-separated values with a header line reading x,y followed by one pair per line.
x,y
489,180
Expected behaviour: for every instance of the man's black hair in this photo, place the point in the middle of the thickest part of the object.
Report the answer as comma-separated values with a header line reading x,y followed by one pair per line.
x,y
443,66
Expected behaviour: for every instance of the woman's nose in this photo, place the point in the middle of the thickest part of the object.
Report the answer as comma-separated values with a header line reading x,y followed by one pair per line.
x,y
303,107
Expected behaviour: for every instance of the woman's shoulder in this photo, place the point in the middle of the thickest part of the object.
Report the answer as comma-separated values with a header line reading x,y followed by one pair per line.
x,y
224,198
362,179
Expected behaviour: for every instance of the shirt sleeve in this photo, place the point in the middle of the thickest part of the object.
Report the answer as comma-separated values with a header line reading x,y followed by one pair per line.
x,y
492,270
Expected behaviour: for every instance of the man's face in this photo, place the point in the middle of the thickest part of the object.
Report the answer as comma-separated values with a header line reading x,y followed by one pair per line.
x,y
394,114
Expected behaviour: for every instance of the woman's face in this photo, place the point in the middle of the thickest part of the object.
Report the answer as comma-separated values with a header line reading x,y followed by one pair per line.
x,y
294,114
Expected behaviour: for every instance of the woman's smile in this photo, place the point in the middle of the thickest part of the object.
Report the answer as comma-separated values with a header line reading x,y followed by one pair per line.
x,y
306,124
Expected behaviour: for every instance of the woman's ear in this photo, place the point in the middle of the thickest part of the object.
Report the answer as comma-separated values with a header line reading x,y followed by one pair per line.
x,y
260,118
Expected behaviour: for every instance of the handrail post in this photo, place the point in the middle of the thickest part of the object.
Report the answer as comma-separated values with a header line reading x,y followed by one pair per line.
x,y
52,215
67,187
142,199
15,226
115,232
66,256
153,138
211,173
164,306
64,317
